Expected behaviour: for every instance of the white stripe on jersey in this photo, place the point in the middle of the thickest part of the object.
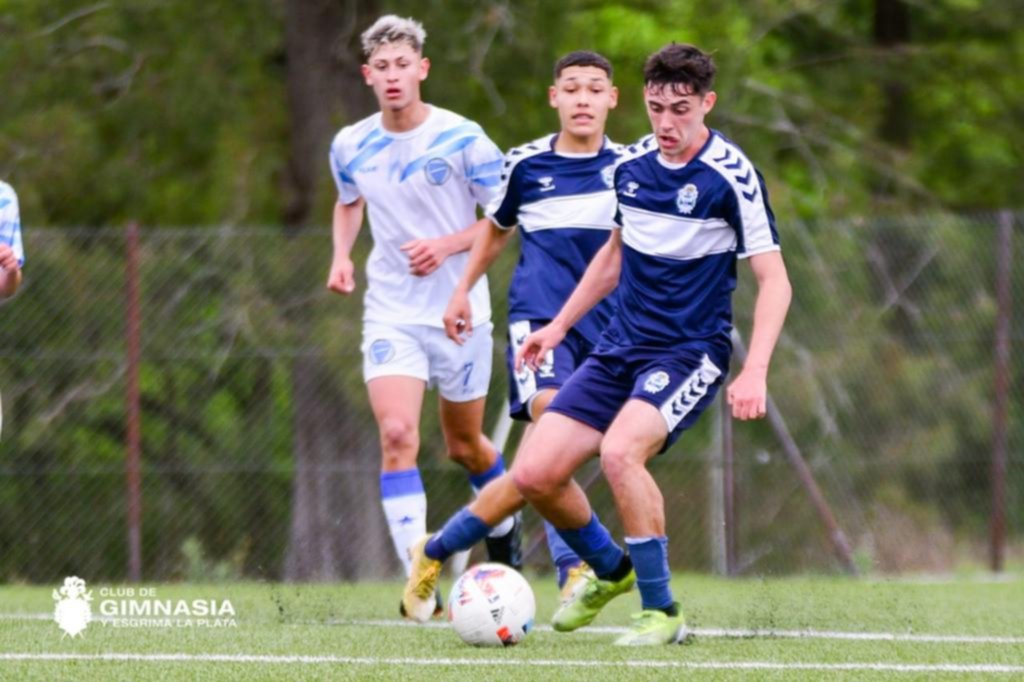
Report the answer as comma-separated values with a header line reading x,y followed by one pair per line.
x,y
683,239
587,211
512,158
736,169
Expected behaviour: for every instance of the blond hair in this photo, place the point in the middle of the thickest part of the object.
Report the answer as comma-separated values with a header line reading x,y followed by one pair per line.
x,y
393,29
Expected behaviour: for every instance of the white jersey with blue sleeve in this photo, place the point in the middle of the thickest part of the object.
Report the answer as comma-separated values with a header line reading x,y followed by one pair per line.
x,y
419,184
10,222
683,228
564,205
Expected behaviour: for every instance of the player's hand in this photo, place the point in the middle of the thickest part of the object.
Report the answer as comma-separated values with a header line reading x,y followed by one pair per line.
x,y
426,255
458,317
748,394
342,277
537,346
8,261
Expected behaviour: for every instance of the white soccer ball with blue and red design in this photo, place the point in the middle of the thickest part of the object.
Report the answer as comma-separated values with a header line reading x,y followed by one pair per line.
x,y
491,605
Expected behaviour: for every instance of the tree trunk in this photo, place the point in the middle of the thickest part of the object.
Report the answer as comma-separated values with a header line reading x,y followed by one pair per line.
x,y
892,34
337,528
322,59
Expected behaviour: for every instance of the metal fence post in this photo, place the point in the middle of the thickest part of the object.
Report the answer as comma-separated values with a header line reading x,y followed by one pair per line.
x,y
1001,381
133,428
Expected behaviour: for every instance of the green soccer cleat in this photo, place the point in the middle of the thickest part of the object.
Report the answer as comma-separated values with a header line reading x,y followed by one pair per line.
x,y
582,606
419,600
652,628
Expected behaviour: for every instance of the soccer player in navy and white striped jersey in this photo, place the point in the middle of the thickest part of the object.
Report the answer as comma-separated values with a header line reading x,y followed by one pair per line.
x,y
558,191
690,204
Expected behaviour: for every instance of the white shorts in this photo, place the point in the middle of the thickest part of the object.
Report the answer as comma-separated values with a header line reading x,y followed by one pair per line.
x,y
461,373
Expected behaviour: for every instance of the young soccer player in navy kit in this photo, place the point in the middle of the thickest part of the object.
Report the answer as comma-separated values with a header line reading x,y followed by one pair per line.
x,y
558,191
690,204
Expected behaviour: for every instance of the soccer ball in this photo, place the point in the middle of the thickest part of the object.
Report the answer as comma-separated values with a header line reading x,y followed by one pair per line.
x,y
491,605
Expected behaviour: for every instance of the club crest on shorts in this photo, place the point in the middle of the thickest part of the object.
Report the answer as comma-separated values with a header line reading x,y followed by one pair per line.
x,y
437,171
381,351
687,198
656,382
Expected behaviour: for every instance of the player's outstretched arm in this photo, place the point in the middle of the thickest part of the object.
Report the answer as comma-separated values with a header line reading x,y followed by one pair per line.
x,y
427,255
458,317
600,279
348,218
748,393
10,273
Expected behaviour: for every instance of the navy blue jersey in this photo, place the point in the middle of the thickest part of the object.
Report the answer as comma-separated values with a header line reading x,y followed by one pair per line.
x,y
683,227
565,207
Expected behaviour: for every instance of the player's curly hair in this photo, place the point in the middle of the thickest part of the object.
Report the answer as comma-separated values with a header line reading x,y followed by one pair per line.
x,y
684,68
583,58
391,28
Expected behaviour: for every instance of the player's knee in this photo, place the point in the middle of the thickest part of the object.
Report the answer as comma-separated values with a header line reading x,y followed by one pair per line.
x,y
469,451
532,483
398,439
618,462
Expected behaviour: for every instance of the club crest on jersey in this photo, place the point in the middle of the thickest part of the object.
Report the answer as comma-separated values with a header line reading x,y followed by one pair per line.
x,y
656,382
437,171
608,175
547,183
687,198
381,351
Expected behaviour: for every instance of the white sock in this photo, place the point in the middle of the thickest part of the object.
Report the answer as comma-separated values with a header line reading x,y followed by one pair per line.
x,y
405,507
407,521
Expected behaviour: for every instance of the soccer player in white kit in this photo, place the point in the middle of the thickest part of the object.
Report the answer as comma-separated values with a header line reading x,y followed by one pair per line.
x,y
420,171
12,253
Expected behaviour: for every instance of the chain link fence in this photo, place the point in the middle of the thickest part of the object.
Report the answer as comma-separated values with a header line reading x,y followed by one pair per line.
x,y
235,440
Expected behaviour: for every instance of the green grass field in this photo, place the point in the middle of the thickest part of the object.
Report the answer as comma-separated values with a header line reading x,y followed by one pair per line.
x,y
744,628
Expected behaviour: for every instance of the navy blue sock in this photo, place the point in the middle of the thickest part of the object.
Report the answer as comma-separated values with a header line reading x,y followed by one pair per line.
x,y
593,544
650,560
462,531
561,554
478,481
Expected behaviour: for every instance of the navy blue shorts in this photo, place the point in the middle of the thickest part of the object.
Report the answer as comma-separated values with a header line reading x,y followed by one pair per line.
x,y
552,373
680,385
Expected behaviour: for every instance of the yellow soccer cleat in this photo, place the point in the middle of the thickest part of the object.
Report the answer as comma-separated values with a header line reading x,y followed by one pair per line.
x,y
419,600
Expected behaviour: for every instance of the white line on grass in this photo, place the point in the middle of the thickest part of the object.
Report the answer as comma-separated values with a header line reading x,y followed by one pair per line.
x,y
711,633
476,662
727,633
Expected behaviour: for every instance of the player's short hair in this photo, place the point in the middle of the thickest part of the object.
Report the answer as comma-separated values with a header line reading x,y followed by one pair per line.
x,y
391,28
683,68
583,58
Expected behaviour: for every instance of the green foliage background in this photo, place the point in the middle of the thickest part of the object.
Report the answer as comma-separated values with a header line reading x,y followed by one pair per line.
x,y
174,114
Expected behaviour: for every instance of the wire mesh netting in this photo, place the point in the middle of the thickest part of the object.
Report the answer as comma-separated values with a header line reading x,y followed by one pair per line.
x,y
259,456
